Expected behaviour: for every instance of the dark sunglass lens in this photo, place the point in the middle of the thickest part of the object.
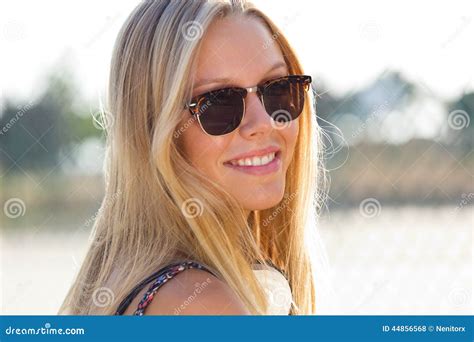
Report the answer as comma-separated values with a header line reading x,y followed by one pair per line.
x,y
222,112
284,99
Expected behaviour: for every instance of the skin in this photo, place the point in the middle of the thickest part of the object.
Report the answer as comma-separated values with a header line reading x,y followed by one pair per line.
x,y
173,298
242,51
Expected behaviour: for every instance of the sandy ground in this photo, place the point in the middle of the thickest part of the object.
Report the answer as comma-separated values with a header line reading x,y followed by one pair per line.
x,y
399,260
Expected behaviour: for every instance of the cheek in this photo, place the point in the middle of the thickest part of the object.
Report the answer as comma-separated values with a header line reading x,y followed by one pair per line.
x,y
290,135
203,151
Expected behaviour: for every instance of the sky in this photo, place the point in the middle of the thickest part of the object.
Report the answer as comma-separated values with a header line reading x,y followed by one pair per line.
x,y
346,44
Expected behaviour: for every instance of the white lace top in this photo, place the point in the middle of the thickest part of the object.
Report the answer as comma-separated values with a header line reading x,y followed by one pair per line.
x,y
277,289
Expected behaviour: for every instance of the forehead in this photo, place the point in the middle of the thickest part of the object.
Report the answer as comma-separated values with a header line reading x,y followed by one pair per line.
x,y
239,47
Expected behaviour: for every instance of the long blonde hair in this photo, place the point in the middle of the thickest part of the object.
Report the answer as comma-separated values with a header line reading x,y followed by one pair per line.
x,y
140,226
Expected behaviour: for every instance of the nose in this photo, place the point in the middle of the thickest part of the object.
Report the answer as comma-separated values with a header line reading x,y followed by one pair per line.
x,y
256,122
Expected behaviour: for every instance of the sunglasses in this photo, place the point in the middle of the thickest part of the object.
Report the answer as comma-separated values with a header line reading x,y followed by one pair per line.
x,y
221,111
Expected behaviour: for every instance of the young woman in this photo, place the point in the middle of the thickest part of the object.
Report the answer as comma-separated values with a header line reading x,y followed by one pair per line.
x,y
212,169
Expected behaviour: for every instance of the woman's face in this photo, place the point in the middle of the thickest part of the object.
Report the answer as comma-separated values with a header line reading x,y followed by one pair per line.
x,y
240,51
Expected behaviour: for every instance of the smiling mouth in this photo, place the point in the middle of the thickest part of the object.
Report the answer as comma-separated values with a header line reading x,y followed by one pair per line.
x,y
254,161
257,165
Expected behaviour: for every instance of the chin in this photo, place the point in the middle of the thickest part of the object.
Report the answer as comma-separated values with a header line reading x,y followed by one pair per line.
x,y
261,206
262,200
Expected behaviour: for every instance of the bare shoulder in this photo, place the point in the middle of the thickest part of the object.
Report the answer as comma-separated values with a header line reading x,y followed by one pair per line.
x,y
196,292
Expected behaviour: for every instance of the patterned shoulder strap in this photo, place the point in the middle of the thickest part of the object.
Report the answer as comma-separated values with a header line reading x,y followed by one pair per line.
x,y
159,279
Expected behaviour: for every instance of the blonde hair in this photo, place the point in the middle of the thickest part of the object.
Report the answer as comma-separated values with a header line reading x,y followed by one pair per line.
x,y
140,226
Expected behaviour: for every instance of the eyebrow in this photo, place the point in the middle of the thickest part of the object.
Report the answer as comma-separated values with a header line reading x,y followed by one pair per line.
x,y
227,80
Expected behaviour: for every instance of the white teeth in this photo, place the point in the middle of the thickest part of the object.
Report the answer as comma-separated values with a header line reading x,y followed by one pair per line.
x,y
255,161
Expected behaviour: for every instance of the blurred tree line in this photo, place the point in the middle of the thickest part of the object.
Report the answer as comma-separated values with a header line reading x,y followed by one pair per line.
x,y
465,137
38,134
392,92
363,163
42,133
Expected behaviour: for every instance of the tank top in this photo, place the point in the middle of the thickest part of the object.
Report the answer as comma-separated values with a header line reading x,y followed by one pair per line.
x,y
272,279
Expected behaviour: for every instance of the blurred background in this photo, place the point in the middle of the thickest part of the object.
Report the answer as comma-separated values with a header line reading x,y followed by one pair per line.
x,y
395,93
